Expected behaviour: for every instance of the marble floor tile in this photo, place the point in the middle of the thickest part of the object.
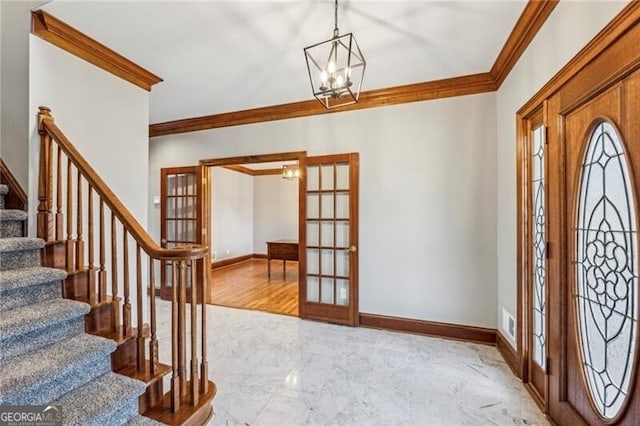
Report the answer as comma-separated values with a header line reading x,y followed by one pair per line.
x,y
279,370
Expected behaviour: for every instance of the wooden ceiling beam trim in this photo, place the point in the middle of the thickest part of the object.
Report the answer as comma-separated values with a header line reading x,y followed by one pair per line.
x,y
529,23
531,20
67,38
450,87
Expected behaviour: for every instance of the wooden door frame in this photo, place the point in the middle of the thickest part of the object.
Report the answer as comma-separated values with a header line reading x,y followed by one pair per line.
x,y
163,290
301,157
610,57
326,312
538,117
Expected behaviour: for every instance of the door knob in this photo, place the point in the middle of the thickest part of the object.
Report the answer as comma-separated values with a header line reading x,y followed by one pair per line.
x,y
353,249
163,241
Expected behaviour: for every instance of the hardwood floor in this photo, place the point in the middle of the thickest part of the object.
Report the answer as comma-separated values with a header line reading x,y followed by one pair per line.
x,y
245,285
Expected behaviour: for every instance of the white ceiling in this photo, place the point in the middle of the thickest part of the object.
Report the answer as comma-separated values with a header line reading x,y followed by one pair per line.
x,y
221,56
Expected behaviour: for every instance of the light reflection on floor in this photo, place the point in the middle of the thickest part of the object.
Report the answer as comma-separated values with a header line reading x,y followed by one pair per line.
x,y
279,370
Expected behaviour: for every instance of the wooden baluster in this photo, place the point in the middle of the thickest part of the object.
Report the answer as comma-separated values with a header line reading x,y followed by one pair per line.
x,y
45,222
79,225
140,359
70,245
90,253
182,308
153,343
126,308
175,374
59,214
204,366
194,388
115,300
102,273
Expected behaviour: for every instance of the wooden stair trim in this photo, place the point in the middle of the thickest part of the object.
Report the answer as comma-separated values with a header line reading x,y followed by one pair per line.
x,y
146,376
17,197
47,126
187,415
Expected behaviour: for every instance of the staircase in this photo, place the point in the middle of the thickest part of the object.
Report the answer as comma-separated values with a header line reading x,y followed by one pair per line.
x,y
109,264
46,358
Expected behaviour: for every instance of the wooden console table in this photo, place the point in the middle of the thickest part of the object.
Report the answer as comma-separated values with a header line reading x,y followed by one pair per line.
x,y
283,250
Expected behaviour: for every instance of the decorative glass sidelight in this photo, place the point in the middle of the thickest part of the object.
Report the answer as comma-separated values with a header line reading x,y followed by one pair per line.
x,y
539,247
607,271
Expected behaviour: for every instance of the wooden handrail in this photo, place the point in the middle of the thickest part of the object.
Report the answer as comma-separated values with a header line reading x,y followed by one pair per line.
x,y
115,312
139,234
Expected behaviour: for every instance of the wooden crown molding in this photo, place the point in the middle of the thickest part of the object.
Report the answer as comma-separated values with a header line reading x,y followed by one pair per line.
x,y
250,159
239,169
253,172
531,20
456,86
267,172
622,23
67,38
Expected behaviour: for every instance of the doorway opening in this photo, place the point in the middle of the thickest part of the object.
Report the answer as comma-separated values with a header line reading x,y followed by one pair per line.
x,y
326,250
254,236
250,208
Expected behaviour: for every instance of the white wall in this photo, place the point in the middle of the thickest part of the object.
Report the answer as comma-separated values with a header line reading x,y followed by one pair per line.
x,y
105,117
275,210
231,213
427,197
15,25
569,28
107,120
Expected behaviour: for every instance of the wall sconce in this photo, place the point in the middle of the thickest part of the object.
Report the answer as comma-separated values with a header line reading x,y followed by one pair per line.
x,y
290,171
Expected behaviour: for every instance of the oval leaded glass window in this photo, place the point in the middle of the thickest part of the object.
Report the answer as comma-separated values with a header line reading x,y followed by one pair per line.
x,y
607,271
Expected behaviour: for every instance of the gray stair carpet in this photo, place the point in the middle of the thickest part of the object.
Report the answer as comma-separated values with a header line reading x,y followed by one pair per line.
x,y
11,223
45,355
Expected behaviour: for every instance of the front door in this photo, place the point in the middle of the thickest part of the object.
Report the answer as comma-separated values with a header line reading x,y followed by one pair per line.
x,y
600,275
329,230
181,194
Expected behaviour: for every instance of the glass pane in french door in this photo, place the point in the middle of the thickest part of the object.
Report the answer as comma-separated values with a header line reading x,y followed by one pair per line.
x,y
179,216
328,242
539,248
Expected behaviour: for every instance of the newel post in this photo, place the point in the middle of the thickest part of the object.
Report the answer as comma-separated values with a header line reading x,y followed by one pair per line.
x,y
45,218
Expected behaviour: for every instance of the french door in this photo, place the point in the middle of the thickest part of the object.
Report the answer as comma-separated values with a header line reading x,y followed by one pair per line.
x,y
329,230
181,199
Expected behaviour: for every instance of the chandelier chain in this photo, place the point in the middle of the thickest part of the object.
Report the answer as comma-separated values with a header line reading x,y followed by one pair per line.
x,y
335,27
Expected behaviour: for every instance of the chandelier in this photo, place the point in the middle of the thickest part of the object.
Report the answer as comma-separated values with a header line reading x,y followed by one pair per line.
x,y
290,171
336,68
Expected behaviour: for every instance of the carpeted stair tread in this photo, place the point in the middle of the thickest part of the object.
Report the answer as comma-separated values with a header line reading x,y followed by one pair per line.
x,y
8,245
34,370
110,399
29,277
26,319
18,252
13,215
4,189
